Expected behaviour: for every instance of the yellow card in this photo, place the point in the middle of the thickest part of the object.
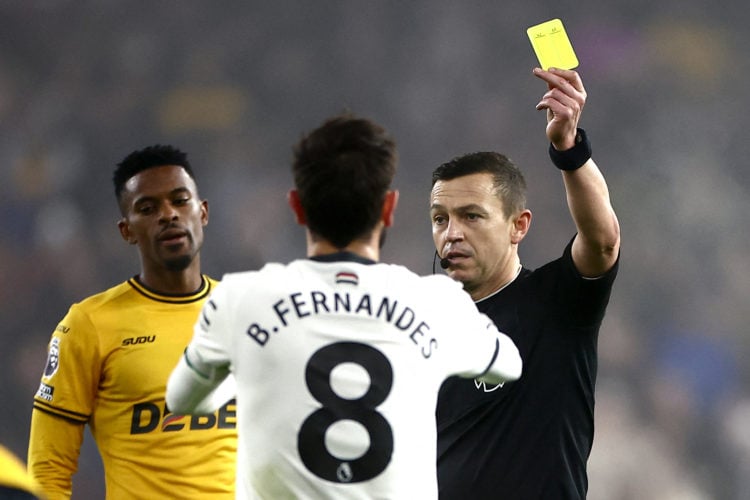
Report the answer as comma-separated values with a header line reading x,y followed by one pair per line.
x,y
552,46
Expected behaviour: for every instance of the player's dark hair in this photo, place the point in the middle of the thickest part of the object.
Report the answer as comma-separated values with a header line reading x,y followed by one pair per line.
x,y
342,171
148,157
509,183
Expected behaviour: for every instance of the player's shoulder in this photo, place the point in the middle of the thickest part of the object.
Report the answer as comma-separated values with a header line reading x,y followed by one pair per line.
x,y
442,280
435,282
249,281
103,298
81,315
234,277
438,279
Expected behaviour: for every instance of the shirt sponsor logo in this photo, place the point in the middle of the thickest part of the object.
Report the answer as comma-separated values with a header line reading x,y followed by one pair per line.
x,y
45,392
148,417
145,339
53,358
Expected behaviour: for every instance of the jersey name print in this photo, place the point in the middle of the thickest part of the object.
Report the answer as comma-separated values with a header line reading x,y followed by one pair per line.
x,y
299,305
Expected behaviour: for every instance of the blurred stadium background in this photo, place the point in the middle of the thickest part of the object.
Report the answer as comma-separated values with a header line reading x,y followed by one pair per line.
x,y
83,83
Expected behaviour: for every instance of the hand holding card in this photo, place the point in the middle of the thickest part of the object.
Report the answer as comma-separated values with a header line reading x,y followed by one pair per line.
x,y
552,46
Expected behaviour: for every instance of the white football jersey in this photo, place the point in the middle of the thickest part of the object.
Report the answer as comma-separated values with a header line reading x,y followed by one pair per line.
x,y
338,366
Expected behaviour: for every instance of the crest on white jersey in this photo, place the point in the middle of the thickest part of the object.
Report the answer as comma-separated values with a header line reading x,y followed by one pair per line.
x,y
347,277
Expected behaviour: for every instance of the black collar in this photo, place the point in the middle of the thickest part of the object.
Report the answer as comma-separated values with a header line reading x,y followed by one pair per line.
x,y
342,256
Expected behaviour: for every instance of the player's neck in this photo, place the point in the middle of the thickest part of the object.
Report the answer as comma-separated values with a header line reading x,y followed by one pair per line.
x,y
367,248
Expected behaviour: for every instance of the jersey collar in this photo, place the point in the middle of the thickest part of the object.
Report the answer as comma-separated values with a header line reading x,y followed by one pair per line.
x,y
506,285
342,256
152,294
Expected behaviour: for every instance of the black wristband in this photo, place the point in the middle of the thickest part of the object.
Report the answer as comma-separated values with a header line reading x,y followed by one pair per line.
x,y
575,157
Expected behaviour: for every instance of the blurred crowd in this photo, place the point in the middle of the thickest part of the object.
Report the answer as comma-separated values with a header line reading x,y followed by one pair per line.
x,y
83,83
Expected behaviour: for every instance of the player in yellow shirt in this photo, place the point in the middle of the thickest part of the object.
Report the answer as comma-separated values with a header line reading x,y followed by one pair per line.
x,y
15,482
110,357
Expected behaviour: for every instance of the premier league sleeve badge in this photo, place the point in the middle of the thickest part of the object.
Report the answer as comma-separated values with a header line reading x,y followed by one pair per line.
x,y
53,358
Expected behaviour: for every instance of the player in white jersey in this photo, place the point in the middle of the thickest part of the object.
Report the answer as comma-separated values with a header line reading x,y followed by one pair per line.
x,y
338,358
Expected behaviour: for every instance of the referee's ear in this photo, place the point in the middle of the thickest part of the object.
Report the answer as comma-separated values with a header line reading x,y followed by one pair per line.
x,y
292,198
520,226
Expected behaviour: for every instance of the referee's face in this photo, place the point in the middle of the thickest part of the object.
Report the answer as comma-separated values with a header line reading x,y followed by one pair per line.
x,y
470,230
164,218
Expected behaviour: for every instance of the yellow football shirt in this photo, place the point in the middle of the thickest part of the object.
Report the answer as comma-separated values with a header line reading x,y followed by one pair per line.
x,y
108,364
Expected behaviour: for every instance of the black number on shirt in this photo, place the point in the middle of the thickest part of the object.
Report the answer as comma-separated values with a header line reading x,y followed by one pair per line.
x,y
311,437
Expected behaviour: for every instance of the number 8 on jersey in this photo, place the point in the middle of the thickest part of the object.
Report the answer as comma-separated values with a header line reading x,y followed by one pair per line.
x,y
334,408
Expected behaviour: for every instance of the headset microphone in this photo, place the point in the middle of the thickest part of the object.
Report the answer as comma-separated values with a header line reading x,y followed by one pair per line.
x,y
444,263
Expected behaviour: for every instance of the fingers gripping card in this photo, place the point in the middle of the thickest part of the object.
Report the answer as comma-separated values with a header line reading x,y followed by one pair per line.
x,y
552,46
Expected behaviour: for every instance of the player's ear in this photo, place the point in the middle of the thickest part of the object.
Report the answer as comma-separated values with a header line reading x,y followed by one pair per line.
x,y
124,228
292,198
389,207
521,224
204,213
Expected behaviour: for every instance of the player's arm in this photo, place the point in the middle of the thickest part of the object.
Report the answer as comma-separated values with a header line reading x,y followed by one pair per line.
x,y
597,244
481,349
505,364
63,403
54,447
200,383
473,346
194,386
